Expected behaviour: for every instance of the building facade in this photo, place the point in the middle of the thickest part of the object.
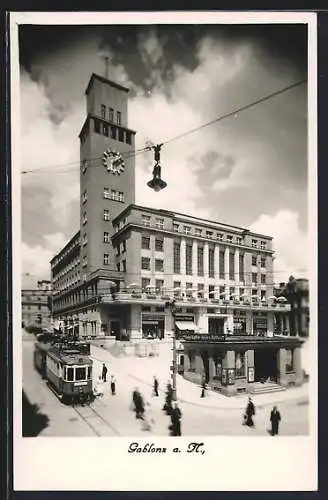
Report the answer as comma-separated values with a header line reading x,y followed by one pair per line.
x,y
36,306
115,276
296,292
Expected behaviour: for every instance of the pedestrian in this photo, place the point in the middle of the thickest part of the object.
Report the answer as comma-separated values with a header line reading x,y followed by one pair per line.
x,y
203,389
99,387
104,373
175,426
168,399
148,418
249,413
113,385
155,386
138,402
275,418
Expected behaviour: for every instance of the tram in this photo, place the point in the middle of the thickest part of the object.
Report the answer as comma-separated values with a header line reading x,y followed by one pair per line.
x,y
67,370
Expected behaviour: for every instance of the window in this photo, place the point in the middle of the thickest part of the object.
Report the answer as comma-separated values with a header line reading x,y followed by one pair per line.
x,y
128,137
211,262
229,238
175,227
240,364
159,223
39,307
263,245
289,360
116,195
254,260
263,279
159,244
118,117
159,285
111,114
145,282
145,263
124,266
84,196
254,292
200,261
188,290
146,220
211,291
263,295
97,126
146,308
85,239
121,135
106,259
263,262
209,234
159,265
80,373
241,267
106,214
176,258
219,236
231,266
176,284
188,259
145,242
222,292
124,246
113,132
106,193
186,229
221,264
198,232
254,243
238,240
103,111
105,129
84,218
200,291
254,278
118,267
70,374
106,237
241,293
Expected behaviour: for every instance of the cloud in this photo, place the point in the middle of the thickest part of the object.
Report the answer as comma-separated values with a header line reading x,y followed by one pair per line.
x,y
232,171
290,243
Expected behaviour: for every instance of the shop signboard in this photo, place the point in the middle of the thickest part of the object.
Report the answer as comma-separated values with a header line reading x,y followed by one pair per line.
x,y
184,317
202,337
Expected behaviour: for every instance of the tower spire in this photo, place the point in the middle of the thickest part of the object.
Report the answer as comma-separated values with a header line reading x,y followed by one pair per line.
x,y
105,55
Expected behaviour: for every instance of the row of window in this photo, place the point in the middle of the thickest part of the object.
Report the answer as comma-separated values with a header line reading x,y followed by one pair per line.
x,y
113,132
103,114
159,223
70,267
159,243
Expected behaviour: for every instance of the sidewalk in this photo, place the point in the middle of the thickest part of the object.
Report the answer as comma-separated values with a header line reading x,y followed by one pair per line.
x,y
142,370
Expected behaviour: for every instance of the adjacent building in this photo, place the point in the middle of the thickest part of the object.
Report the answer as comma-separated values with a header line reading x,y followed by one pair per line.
x,y
296,292
114,277
36,306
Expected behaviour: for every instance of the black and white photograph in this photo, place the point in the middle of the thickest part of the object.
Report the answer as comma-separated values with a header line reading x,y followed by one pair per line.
x,y
164,176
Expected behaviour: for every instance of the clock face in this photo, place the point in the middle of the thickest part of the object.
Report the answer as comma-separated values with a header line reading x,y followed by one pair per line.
x,y
113,161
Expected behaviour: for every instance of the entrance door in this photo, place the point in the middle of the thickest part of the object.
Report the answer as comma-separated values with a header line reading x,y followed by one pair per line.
x,y
115,329
265,360
215,326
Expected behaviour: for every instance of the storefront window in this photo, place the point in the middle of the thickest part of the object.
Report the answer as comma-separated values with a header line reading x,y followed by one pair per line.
x,y
240,364
289,360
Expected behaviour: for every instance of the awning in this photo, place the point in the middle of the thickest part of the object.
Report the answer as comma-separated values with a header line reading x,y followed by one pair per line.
x,y
186,325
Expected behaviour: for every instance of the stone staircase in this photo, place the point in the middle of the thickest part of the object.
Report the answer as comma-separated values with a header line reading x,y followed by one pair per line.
x,y
267,387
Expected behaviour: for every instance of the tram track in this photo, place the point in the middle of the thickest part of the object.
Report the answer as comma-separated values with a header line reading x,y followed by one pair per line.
x,y
98,415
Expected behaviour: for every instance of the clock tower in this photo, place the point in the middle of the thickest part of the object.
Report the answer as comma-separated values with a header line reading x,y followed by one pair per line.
x,y
107,177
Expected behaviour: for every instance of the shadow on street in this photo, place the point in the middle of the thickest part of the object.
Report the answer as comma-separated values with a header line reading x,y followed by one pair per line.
x,y
33,422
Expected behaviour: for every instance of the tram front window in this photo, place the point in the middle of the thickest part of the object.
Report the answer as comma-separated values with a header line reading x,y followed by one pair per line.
x,y
70,374
80,373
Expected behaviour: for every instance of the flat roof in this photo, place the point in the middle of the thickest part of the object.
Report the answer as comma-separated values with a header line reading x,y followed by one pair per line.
x,y
190,219
66,246
102,79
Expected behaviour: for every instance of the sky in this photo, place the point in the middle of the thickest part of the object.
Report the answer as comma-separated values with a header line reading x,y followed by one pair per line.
x,y
249,170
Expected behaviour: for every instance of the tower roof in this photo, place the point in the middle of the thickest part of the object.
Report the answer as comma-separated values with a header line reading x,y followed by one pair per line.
x,y
106,81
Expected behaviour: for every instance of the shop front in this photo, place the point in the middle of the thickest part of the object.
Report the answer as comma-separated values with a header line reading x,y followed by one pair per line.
x,y
153,325
184,324
233,364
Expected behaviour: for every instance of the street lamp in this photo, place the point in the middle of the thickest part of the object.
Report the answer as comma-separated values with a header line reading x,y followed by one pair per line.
x,y
171,305
157,183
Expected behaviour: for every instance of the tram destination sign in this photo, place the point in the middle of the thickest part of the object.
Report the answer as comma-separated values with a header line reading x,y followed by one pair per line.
x,y
202,337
